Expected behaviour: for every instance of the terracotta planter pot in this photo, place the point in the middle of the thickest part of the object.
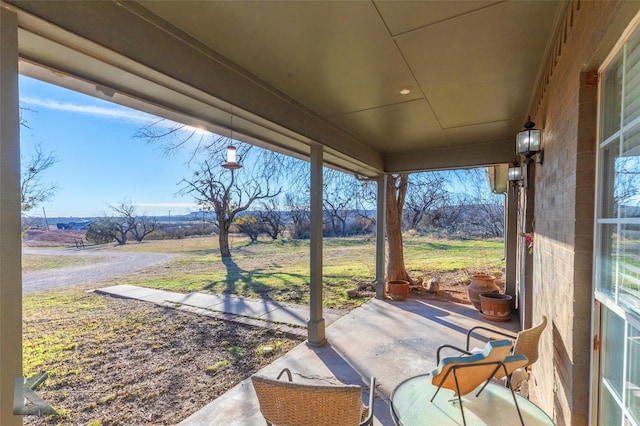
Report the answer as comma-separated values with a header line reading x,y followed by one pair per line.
x,y
398,289
481,283
496,306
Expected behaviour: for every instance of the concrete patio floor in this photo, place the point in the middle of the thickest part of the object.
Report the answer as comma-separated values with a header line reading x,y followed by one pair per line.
x,y
389,340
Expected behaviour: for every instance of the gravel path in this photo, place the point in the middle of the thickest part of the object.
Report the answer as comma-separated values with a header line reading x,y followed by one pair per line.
x,y
119,264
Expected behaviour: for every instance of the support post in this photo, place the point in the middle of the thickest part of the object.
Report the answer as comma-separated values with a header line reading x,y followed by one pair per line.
x,y
316,326
10,249
381,201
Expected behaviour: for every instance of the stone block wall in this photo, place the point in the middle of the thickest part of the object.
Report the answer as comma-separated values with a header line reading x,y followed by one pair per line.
x,y
563,216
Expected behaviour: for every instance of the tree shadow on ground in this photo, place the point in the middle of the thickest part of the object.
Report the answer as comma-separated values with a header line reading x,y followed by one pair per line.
x,y
238,280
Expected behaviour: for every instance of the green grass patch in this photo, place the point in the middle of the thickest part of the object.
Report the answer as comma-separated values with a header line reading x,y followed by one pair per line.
x,y
217,366
274,269
60,301
54,325
107,399
104,353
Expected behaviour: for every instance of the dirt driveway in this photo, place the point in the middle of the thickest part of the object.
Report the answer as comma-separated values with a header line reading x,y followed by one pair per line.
x,y
117,264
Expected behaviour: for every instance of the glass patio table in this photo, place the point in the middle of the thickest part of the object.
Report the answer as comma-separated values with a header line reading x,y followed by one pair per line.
x,y
411,406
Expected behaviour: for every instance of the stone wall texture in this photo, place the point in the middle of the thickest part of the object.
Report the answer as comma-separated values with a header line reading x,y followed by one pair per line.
x,y
563,214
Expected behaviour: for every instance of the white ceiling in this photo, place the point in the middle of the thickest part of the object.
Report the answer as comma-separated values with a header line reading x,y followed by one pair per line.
x,y
331,71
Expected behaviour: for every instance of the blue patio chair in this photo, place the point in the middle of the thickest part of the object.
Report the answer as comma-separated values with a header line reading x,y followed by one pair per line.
x,y
463,374
525,342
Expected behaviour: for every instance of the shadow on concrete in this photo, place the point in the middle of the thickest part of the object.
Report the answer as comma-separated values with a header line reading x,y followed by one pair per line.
x,y
392,341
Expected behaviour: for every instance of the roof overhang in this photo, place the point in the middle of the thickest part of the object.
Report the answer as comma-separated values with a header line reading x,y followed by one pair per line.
x,y
291,82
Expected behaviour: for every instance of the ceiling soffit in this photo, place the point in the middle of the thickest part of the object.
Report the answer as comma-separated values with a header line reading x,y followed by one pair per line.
x,y
333,57
467,64
490,62
332,71
404,16
103,57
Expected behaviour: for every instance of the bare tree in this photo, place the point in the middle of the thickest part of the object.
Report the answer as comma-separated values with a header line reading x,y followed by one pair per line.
x,y
172,136
124,222
225,193
250,225
121,229
298,209
144,226
447,215
365,202
397,185
271,218
339,199
482,211
220,191
626,187
33,190
128,222
426,192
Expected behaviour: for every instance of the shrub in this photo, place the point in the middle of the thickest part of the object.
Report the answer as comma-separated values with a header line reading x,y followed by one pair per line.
x,y
101,231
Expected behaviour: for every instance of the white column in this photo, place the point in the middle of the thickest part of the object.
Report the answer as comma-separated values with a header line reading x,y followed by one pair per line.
x,y
315,326
10,249
381,201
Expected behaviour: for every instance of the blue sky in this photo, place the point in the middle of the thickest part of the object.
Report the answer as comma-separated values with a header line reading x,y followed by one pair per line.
x,y
100,161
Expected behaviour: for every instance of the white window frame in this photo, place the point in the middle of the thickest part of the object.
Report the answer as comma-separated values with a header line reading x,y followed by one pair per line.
x,y
602,300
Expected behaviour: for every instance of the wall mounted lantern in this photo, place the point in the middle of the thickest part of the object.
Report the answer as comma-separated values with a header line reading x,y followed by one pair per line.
x,y
515,173
529,142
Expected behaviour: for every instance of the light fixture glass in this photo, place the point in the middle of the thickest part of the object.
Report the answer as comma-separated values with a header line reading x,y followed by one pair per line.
x,y
529,141
515,173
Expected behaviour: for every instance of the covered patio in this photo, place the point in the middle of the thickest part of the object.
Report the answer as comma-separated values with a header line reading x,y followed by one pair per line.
x,y
376,88
392,341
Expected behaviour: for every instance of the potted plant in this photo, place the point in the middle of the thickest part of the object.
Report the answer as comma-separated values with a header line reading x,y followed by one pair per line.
x,y
496,306
398,289
481,283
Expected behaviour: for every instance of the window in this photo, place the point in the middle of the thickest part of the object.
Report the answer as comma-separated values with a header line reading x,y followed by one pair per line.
x,y
617,273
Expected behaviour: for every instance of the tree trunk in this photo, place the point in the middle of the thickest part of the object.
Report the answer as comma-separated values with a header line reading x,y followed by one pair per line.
x,y
223,239
396,191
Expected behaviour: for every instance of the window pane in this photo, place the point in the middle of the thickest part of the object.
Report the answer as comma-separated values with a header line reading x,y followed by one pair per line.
x,y
612,359
617,265
608,197
629,267
609,411
632,79
611,99
633,382
606,259
627,175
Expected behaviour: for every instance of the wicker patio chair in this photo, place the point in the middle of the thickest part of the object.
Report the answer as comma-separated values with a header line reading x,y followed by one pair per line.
x,y
284,403
465,373
526,341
